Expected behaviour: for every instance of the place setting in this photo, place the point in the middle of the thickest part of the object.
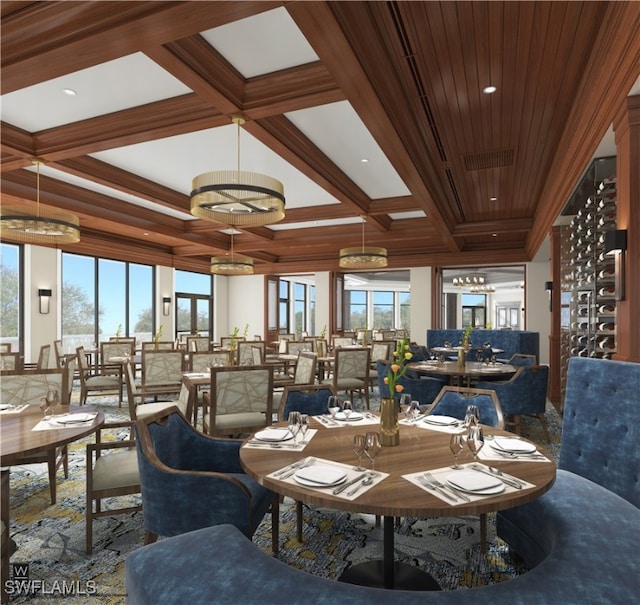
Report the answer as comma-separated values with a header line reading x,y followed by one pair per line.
x,y
295,436
8,408
511,448
341,414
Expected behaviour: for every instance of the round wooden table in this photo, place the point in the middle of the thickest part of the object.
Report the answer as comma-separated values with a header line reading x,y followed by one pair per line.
x,y
17,438
471,370
419,450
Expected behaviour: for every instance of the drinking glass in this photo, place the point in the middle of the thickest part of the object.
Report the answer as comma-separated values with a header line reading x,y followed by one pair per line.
x,y
475,440
456,445
347,408
359,447
414,410
294,424
46,408
472,416
304,427
373,446
333,405
405,402
53,400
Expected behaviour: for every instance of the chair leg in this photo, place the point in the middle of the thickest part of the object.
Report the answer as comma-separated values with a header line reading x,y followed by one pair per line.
x,y
51,464
545,429
483,533
275,525
299,521
149,537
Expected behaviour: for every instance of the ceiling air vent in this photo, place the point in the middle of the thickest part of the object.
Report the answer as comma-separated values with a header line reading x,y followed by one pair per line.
x,y
489,159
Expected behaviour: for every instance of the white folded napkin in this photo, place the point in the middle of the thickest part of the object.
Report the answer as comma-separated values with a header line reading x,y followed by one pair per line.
x,y
442,420
274,434
353,416
513,445
74,418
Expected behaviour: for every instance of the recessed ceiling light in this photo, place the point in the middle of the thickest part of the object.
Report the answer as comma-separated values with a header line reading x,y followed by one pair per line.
x,y
493,199
364,160
494,235
488,90
146,233
69,92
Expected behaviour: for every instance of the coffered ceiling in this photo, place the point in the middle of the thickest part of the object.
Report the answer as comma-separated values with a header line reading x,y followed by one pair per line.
x,y
323,86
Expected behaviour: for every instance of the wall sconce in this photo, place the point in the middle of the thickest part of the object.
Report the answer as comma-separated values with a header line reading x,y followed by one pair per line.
x,y
615,244
166,305
44,294
548,286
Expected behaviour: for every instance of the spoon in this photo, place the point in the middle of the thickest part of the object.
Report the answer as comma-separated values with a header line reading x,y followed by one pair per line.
x,y
364,482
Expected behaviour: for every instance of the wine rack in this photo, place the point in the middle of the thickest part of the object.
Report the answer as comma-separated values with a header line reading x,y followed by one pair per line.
x,y
592,271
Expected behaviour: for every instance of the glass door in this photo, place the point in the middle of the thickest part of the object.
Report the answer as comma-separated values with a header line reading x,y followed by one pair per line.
x,y
193,315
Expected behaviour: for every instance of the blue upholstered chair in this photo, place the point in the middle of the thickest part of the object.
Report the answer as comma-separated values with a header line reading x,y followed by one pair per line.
x,y
190,480
308,399
453,401
522,359
524,394
423,389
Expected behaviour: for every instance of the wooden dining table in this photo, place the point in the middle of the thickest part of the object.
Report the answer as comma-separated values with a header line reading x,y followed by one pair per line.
x,y
419,450
467,373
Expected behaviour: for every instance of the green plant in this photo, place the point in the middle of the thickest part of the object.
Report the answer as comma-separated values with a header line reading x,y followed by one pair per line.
x,y
398,368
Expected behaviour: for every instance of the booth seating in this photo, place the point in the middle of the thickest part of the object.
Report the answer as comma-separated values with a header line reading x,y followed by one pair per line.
x,y
510,341
582,535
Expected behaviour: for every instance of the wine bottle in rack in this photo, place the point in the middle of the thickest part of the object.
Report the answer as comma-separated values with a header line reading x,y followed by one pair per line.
x,y
607,343
607,309
607,326
607,272
607,292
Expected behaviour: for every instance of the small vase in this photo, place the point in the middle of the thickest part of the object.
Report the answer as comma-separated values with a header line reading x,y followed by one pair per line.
x,y
461,358
389,428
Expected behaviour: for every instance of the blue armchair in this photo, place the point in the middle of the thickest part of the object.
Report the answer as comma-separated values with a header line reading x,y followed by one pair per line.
x,y
525,393
453,401
423,389
190,480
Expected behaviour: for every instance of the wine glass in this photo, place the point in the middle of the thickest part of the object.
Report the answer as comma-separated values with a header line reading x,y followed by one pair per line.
x,y
475,440
405,402
414,410
304,427
347,408
53,400
456,445
294,424
373,446
333,406
359,447
472,416
46,408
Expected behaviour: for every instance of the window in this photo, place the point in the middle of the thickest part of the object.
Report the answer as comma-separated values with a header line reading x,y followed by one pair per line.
x,y
312,310
383,310
474,310
284,307
300,307
102,297
405,310
10,295
356,307
194,303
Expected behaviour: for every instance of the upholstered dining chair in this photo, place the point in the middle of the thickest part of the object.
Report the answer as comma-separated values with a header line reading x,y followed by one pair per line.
x,y
351,372
98,380
5,347
112,472
245,351
43,359
453,401
240,401
159,345
29,388
198,343
202,361
11,362
524,394
190,480
380,349
162,369
304,373
523,359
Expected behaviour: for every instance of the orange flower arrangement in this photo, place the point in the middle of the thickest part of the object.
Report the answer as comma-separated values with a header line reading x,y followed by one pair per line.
x,y
398,368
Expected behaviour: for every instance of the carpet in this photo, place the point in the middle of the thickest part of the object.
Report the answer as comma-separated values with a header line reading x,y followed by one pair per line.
x,y
51,538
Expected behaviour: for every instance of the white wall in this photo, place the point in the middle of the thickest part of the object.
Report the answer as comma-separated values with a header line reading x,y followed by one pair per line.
x,y
538,315
165,287
420,315
323,302
245,305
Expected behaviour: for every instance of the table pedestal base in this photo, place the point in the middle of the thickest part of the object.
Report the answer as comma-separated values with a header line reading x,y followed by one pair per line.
x,y
406,577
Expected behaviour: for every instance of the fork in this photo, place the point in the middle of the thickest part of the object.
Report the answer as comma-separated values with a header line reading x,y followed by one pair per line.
x,y
437,483
286,469
308,462
422,479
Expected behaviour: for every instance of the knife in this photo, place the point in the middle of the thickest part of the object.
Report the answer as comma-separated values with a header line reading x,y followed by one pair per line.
x,y
512,482
344,486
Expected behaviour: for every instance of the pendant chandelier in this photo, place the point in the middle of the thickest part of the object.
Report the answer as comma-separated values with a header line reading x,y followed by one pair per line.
x,y
29,225
469,281
231,263
363,257
234,197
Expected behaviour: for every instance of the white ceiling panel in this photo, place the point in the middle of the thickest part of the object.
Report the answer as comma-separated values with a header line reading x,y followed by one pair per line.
x,y
337,130
262,44
106,88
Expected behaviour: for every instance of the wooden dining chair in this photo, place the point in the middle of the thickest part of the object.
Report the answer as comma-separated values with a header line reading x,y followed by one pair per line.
x,y
99,379
351,372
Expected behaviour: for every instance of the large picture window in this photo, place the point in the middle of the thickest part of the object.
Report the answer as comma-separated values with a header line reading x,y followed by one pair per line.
x,y
102,297
10,295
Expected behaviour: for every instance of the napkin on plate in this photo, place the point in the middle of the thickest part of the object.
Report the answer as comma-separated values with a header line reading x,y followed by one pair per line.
x,y
353,416
441,420
74,418
321,474
274,434
472,481
512,445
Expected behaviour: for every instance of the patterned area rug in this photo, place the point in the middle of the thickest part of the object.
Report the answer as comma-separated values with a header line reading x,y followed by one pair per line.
x,y
51,538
